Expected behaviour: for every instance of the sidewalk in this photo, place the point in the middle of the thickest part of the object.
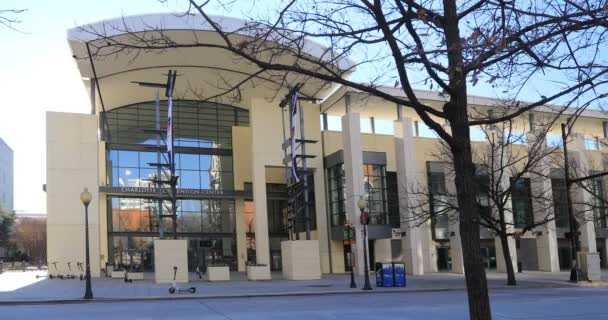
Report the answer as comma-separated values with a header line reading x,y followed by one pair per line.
x,y
23,287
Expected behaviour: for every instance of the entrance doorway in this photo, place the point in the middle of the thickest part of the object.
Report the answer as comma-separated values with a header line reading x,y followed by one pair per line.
x,y
443,258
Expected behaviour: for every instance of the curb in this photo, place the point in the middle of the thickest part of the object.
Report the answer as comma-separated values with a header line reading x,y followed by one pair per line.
x,y
264,295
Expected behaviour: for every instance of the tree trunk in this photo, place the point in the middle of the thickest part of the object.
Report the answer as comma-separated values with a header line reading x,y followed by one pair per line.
x,y
464,170
506,252
475,274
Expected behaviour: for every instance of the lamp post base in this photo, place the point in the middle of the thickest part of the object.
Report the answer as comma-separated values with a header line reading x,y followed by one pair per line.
x,y
576,275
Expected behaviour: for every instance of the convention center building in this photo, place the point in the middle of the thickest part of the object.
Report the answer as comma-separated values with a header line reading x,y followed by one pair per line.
x,y
233,191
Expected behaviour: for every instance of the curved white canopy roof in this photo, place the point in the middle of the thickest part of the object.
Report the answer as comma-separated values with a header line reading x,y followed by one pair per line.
x,y
204,72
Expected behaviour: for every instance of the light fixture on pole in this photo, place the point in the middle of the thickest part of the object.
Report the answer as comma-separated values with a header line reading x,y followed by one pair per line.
x,y
86,197
364,219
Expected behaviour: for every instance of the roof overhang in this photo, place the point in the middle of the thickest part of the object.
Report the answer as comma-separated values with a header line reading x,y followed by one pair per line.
x,y
203,72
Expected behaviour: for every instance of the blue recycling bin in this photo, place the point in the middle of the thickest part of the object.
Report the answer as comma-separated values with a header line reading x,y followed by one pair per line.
x,y
399,274
384,274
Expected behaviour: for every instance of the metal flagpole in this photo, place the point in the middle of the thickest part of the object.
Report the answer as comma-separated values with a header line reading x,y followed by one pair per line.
x,y
159,171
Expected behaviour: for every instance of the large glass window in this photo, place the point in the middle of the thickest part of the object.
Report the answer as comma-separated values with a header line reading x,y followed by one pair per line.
x,y
560,202
196,124
599,203
127,168
374,180
392,197
483,196
521,200
335,186
438,205
193,215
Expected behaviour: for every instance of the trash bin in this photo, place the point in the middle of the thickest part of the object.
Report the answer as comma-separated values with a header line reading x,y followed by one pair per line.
x,y
399,274
384,274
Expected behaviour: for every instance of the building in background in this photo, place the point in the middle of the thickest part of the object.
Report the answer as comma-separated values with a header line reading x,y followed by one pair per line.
x,y
6,176
232,191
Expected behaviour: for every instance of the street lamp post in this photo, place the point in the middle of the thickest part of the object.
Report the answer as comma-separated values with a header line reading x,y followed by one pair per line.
x,y
349,227
85,197
364,219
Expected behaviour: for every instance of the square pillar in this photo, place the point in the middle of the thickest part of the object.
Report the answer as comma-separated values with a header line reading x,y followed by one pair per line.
x,y
546,235
454,231
581,199
411,244
456,248
265,150
353,171
500,154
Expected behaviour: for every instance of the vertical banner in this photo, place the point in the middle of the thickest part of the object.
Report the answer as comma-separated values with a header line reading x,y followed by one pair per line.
x,y
170,127
293,107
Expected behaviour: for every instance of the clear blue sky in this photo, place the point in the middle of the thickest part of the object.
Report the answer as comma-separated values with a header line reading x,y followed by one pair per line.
x,y
39,75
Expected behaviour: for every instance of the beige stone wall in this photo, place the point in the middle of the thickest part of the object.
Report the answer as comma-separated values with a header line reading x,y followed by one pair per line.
x,y
72,164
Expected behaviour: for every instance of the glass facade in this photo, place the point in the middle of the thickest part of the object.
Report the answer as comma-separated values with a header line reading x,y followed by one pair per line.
x,y
438,200
130,168
521,200
483,197
392,197
599,203
196,124
203,160
374,180
335,186
560,202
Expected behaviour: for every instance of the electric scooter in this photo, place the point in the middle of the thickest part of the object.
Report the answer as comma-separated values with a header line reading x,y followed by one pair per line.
x,y
81,276
70,275
60,276
175,287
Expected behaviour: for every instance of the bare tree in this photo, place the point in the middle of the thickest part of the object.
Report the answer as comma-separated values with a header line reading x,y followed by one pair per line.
x,y
448,45
507,160
29,236
9,18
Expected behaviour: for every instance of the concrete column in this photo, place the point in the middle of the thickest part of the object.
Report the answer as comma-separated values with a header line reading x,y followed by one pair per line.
x,y
72,164
454,230
499,163
353,170
455,239
546,236
241,234
456,248
581,199
604,150
500,260
264,149
411,244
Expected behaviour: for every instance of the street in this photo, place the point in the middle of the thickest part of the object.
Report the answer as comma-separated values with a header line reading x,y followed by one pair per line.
x,y
551,303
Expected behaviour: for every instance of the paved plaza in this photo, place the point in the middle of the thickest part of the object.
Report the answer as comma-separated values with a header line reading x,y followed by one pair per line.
x,y
24,287
546,303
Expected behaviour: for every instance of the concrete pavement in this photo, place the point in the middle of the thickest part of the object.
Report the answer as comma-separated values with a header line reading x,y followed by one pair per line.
x,y
544,303
23,287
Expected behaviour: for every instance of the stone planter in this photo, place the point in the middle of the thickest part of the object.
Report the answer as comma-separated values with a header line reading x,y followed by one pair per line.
x,y
218,273
258,272
301,260
169,254
120,274
590,265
